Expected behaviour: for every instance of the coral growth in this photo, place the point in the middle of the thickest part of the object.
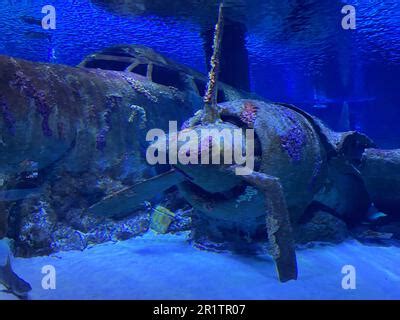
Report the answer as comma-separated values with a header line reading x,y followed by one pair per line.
x,y
112,103
90,113
294,139
249,113
58,219
293,142
210,95
37,226
24,84
140,113
92,232
138,86
44,110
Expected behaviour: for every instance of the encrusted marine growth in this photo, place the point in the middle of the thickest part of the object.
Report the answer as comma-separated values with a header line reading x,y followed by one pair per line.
x,y
44,110
210,98
138,86
25,85
85,109
8,117
249,113
140,114
248,195
37,225
111,105
294,139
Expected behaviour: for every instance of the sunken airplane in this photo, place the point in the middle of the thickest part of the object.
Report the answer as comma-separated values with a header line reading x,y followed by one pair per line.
x,y
94,118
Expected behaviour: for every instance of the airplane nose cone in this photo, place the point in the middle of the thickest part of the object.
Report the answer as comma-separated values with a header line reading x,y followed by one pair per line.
x,y
204,153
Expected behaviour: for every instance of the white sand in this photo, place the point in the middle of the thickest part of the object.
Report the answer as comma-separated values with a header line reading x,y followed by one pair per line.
x,y
167,267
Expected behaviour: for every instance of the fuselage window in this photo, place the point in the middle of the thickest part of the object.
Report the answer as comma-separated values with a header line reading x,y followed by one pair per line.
x,y
140,69
167,77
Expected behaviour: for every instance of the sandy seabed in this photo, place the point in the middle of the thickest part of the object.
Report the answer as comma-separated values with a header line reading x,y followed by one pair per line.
x,y
168,267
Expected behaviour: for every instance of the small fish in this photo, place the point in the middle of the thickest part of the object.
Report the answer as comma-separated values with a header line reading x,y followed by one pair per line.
x,y
31,20
12,282
19,194
374,214
377,216
374,235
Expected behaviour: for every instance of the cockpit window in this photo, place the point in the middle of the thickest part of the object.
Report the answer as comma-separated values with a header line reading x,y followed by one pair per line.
x,y
140,69
167,77
107,65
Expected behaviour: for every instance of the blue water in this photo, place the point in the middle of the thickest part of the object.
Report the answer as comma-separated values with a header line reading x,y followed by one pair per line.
x,y
298,51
